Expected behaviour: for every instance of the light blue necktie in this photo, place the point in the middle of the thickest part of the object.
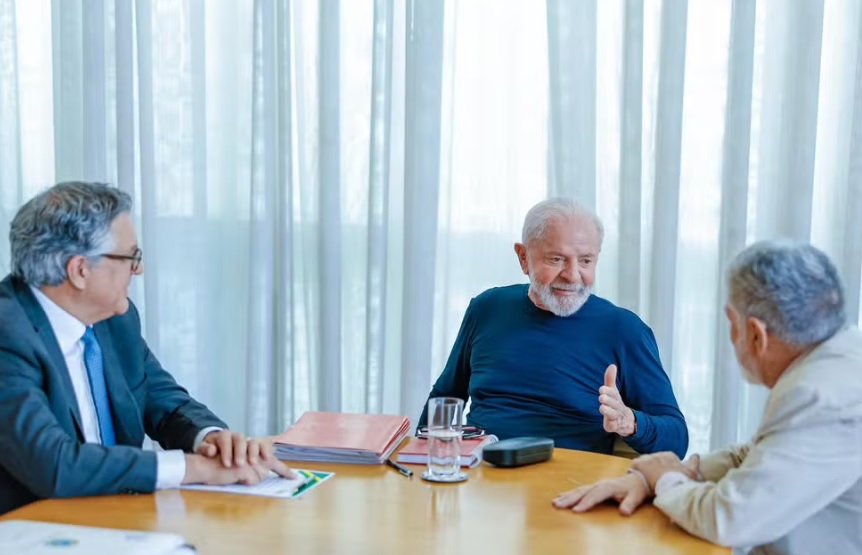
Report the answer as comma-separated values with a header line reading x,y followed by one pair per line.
x,y
96,374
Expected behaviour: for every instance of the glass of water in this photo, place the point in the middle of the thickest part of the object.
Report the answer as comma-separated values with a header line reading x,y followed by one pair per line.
x,y
444,440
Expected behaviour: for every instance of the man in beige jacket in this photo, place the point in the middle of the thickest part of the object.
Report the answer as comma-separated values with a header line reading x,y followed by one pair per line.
x,y
797,487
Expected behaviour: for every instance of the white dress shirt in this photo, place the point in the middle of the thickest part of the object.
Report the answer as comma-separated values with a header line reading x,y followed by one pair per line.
x,y
170,465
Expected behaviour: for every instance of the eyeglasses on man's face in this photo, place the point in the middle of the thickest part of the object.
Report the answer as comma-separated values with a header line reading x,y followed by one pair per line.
x,y
136,258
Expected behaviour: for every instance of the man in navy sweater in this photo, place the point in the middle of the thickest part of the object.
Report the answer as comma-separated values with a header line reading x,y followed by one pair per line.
x,y
550,359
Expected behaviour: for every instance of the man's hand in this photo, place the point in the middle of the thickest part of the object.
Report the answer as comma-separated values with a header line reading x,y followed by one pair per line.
x,y
618,418
233,447
629,491
204,470
656,465
234,450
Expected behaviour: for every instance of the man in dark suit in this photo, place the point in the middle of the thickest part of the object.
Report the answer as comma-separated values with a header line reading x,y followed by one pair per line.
x,y
78,386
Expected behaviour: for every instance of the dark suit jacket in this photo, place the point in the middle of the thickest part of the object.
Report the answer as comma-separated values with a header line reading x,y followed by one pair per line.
x,y
42,448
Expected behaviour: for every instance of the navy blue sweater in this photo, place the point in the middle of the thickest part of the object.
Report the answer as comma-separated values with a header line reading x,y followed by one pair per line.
x,y
531,373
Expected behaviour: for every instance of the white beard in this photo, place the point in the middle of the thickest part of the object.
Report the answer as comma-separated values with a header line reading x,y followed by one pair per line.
x,y
561,305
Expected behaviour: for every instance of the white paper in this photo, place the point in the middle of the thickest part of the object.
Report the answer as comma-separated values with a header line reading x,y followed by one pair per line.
x,y
45,538
271,486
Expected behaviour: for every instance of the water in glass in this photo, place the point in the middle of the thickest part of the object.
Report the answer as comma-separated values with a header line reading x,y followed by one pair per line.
x,y
444,452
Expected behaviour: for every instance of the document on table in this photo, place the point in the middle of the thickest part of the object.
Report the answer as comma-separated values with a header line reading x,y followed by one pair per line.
x,y
273,485
27,537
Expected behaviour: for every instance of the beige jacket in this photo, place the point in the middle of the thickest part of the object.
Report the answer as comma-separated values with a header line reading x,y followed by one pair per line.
x,y
797,488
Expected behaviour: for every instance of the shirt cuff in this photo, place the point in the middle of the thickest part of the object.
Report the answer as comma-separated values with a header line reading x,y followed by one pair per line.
x,y
201,435
638,427
170,469
670,480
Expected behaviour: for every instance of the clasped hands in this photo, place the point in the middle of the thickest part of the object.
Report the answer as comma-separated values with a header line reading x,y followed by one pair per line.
x,y
226,457
631,490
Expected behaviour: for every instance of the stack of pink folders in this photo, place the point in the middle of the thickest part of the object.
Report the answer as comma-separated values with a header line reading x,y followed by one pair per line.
x,y
342,438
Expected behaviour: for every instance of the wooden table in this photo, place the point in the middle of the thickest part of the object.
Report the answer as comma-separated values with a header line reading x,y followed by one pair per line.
x,y
377,510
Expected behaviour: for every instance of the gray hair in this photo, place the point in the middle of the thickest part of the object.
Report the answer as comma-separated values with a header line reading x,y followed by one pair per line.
x,y
537,219
793,288
67,220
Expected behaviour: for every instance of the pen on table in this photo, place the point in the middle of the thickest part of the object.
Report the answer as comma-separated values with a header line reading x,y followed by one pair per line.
x,y
399,468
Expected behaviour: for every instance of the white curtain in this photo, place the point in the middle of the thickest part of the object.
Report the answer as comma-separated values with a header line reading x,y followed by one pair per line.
x,y
322,186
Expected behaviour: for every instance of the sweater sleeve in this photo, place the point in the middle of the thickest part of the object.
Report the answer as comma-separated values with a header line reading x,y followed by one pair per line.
x,y
455,379
646,389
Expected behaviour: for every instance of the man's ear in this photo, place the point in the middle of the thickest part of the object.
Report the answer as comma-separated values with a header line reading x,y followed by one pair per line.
x,y
521,251
756,336
77,271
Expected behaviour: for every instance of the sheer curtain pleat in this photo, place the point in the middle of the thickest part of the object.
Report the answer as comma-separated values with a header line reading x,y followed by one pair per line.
x,y
126,152
424,78
284,372
304,248
264,249
791,80
68,86
835,221
631,139
200,206
572,118
11,182
380,145
393,265
146,142
94,100
734,210
851,259
697,271
331,326
220,281
668,133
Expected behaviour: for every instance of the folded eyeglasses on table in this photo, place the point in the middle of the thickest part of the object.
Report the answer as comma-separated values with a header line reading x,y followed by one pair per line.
x,y
468,432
